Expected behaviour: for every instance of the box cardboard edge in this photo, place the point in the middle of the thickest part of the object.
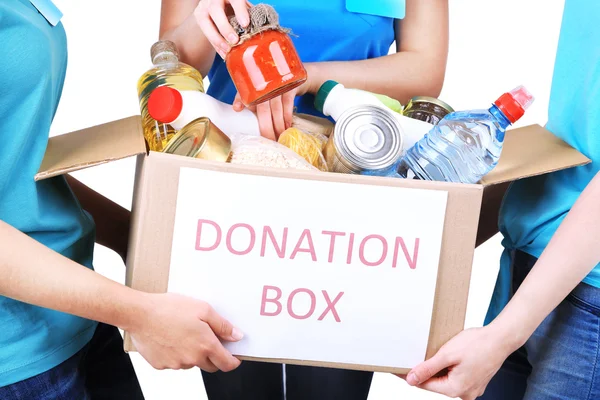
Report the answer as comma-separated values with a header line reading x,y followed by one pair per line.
x,y
92,146
523,138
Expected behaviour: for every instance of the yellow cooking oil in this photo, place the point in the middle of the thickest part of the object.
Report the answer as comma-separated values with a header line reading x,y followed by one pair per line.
x,y
167,70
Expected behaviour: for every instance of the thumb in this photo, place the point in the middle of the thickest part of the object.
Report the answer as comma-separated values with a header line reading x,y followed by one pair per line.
x,y
426,370
221,327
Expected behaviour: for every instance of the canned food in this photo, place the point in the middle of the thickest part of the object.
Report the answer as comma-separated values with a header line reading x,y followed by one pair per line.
x,y
366,137
200,139
427,109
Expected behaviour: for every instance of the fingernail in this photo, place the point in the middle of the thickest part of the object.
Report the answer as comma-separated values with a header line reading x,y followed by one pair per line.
x,y
224,48
221,54
232,38
244,22
236,334
412,379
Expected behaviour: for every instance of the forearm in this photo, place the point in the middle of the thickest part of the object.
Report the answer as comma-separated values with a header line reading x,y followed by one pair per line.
x,y
401,75
194,49
112,220
571,254
33,273
416,69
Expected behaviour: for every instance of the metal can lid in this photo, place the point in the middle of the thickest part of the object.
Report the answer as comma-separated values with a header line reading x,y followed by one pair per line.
x,y
433,100
368,137
190,139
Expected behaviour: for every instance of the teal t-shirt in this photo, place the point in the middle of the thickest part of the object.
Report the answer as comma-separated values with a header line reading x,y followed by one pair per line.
x,y
32,71
534,208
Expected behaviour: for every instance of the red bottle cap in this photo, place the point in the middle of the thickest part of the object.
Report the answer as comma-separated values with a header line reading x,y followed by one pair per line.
x,y
514,103
165,104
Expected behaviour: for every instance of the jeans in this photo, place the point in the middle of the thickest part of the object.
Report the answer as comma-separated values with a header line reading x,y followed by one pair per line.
x,y
264,381
560,360
100,371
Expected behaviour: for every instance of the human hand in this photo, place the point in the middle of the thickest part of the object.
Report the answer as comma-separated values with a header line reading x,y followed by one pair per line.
x,y
179,332
276,115
471,358
211,16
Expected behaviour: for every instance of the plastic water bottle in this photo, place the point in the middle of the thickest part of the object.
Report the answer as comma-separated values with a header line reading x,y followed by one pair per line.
x,y
465,145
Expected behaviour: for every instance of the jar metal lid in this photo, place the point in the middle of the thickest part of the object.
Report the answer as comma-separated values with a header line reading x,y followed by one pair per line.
x,y
368,137
433,100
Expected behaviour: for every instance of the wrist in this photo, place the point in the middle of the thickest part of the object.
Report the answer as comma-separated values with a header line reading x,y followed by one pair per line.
x,y
509,333
134,314
314,80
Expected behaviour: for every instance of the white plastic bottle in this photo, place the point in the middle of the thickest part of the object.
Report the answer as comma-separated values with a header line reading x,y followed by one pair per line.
x,y
333,99
179,108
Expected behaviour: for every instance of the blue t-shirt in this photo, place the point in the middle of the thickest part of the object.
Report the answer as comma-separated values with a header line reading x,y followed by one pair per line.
x,y
32,71
534,208
324,31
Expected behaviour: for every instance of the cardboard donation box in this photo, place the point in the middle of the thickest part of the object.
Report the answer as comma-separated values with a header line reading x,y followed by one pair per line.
x,y
315,268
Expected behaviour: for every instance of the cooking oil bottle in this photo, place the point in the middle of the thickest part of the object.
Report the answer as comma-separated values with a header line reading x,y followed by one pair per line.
x,y
167,70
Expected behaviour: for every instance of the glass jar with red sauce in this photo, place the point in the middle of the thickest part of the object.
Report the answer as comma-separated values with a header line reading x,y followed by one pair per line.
x,y
265,65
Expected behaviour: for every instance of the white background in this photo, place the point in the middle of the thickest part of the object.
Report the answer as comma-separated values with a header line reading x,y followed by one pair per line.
x,y
494,46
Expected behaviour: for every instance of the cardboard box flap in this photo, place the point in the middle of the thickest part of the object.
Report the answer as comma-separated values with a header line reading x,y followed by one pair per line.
x,y
531,151
92,146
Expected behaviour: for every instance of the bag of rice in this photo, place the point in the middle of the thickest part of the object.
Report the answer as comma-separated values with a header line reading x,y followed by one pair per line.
x,y
257,150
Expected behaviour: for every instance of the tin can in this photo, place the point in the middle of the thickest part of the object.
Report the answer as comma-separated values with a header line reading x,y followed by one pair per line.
x,y
365,137
428,109
200,139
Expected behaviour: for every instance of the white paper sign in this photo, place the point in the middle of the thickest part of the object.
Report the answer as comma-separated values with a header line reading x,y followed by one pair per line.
x,y
311,270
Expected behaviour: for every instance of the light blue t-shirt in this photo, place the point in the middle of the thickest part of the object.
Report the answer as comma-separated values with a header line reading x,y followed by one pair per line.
x,y
324,31
32,71
534,208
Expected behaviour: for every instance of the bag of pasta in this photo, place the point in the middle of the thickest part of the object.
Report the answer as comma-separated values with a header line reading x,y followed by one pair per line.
x,y
313,125
308,146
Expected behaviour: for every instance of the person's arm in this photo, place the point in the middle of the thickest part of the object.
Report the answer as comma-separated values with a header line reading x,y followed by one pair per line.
x,y
112,220
417,68
475,355
169,331
192,26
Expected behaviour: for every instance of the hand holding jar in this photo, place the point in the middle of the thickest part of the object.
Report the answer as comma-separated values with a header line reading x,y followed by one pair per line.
x,y
212,17
263,63
276,115
266,70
